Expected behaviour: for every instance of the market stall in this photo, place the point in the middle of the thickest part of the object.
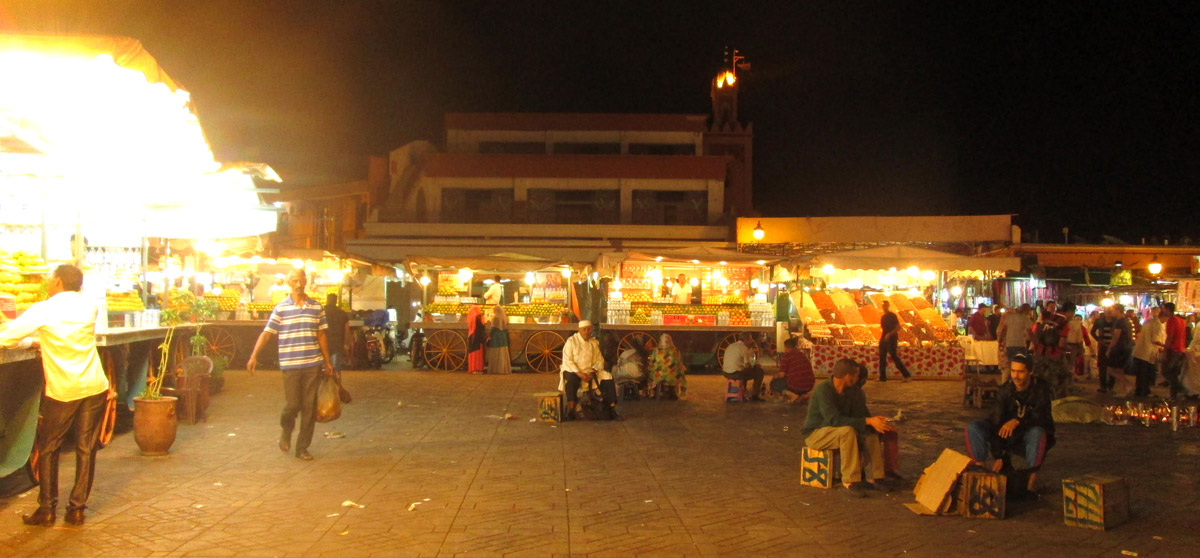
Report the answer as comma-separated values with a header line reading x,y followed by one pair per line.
x,y
841,302
100,152
703,297
536,296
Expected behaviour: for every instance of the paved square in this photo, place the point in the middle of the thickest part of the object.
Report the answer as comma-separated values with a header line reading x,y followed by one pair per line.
x,y
444,474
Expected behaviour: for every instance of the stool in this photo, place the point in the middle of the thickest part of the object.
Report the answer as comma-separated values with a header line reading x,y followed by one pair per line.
x,y
549,406
735,390
628,391
820,468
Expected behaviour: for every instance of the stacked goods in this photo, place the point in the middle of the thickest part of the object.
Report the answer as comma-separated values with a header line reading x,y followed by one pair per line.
x,y
725,299
810,315
446,308
638,297
862,335
901,302
847,307
907,338
539,309
23,263
25,289
832,317
640,316
936,324
446,290
870,314
877,300
876,331
260,307
823,301
841,334
227,301
127,301
920,303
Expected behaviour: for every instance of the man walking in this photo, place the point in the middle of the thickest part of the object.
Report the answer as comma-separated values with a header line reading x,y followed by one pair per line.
x,y
888,343
1014,334
300,323
76,388
977,324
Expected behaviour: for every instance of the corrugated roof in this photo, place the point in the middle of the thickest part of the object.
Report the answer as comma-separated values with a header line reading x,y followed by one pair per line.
x,y
574,166
576,122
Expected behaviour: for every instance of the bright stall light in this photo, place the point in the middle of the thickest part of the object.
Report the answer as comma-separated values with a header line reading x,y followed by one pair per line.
x,y
1107,302
529,278
762,288
298,263
465,274
1127,300
928,275
424,280
566,273
956,290
694,282
616,284
913,272
827,269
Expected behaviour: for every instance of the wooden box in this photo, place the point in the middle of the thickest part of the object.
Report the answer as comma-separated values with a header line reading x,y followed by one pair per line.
x,y
981,495
819,468
549,406
1095,501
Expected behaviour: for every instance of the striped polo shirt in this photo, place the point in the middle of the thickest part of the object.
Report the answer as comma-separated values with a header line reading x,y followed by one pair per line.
x,y
297,326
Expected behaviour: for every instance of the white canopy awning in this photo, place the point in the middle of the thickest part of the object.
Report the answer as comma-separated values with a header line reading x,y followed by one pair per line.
x,y
902,257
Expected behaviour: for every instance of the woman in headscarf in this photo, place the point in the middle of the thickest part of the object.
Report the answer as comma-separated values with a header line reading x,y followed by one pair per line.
x,y
498,359
666,367
476,340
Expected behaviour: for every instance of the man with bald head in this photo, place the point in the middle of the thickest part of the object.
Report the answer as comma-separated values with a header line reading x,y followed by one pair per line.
x,y
300,323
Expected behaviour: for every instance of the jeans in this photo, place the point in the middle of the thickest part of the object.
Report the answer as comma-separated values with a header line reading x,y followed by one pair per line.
x,y
55,418
335,360
300,391
983,437
889,347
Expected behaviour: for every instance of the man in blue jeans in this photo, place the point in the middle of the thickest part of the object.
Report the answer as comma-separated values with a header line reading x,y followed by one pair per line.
x,y
1020,422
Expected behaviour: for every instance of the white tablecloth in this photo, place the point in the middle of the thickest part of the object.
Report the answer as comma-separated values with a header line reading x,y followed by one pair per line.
x,y
985,353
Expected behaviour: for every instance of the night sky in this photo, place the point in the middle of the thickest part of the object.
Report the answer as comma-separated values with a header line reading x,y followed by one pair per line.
x,y
1081,115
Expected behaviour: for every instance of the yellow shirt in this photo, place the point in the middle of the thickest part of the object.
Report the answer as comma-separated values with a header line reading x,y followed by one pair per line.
x,y
66,329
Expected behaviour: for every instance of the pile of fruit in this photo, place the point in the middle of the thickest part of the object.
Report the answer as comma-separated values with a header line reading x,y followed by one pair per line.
x,y
445,308
123,301
23,263
638,297
260,307
536,309
640,316
226,301
22,275
444,290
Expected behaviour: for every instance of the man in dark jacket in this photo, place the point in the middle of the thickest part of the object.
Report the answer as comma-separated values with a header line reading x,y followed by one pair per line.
x,y
1020,422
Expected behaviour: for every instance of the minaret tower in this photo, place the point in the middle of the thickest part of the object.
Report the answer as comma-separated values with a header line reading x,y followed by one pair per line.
x,y
727,136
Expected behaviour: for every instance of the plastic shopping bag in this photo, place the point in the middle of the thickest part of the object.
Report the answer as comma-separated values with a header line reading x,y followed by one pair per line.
x,y
329,402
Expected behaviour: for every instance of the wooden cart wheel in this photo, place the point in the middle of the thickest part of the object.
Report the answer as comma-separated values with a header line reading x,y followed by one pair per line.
x,y
220,343
445,350
729,340
639,339
543,351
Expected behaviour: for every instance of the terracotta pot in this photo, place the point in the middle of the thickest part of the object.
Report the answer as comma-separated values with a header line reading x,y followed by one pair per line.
x,y
154,424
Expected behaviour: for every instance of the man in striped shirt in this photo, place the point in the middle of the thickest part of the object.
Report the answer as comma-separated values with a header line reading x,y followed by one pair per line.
x,y
299,321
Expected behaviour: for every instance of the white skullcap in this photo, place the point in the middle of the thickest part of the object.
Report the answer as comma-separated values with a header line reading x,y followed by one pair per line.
x,y
584,323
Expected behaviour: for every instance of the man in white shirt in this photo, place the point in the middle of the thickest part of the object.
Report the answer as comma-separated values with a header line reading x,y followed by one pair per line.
x,y
581,365
1146,349
76,388
494,294
682,290
739,365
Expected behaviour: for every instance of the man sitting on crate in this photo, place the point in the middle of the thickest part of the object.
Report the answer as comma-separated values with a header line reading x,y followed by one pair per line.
x,y
1021,422
838,419
583,365
739,365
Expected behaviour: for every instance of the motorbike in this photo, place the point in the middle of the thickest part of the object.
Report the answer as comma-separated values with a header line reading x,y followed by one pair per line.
x,y
373,346
389,344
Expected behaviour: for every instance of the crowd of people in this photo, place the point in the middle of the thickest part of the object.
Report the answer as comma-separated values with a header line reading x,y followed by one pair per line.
x,y
1126,354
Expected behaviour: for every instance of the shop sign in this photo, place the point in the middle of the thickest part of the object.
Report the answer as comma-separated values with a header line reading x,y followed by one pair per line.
x,y
1121,278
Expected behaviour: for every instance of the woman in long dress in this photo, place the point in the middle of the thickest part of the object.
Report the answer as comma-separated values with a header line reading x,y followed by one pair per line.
x,y
666,367
476,340
499,361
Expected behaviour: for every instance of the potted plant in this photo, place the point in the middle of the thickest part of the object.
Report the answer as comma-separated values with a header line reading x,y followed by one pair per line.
x,y
154,419
184,307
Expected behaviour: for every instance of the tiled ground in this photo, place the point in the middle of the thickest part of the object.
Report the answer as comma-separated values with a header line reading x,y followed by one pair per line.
x,y
687,478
